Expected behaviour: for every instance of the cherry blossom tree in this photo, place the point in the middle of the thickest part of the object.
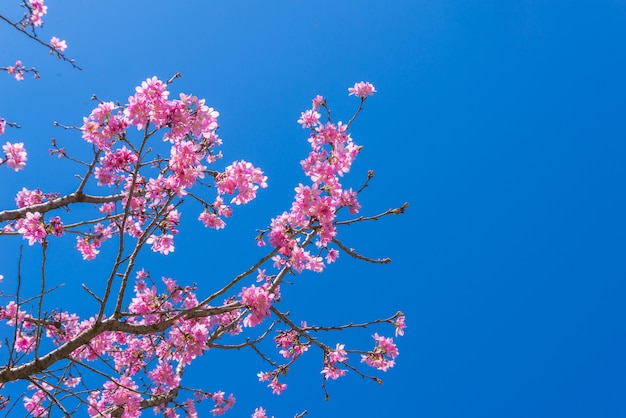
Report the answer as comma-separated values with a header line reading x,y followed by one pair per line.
x,y
151,158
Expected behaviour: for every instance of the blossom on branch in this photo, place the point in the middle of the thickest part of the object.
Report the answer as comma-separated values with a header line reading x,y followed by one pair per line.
x,y
15,155
362,90
58,44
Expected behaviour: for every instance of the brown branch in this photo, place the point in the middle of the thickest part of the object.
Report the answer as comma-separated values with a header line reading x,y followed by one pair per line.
x,y
395,211
76,197
36,366
351,252
36,39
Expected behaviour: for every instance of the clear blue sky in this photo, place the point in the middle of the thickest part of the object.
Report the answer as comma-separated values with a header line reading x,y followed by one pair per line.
x,y
502,123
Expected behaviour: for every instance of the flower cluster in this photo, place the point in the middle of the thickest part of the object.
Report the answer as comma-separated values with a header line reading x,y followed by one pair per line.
x,y
15,155
316,205
150,181
338,355
243,177
161,357
383,355
289,343
259,413
272,377
258,300
57,45
362,90
165,327
37,11
32,228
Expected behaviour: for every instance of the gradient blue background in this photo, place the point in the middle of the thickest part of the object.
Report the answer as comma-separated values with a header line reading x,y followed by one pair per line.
x,y
502,123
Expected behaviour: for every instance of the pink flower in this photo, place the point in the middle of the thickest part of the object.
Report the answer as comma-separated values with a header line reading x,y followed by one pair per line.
x,y
400,325
309,119
57,226
27,197
332,256
259,413
338,355
331,372
259,300
362,90
37,11
87,248
32,228
58,44
163,244
3,124
241,176
15,154
107,208
317,102
277,388
382,358
211,220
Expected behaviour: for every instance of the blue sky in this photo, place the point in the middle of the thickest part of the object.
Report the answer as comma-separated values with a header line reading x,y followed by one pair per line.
x,y
500,122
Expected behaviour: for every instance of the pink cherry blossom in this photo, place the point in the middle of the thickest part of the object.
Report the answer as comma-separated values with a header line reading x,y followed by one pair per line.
x,y
259,300
260,413
400,325
163,244
362,90
58,44
211,220
309,119
37,11
57,226
27,197
32,228
243,177
15,155
382,356
317,102
87,247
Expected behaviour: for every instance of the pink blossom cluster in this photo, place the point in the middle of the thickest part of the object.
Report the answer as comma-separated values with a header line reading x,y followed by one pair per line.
x,y
26,197
258,300
15,155
211,217
338,355
289,343
400,325
272,377
58,45
190,130
316,205
383,355
149,363
18,70
243,177
222,404
88,245
150,182
153,360
260,413
32,228
362,90
37,11
3,124
35,404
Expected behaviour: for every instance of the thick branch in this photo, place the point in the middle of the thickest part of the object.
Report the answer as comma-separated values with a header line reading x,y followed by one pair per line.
x,y
36,366
76,197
